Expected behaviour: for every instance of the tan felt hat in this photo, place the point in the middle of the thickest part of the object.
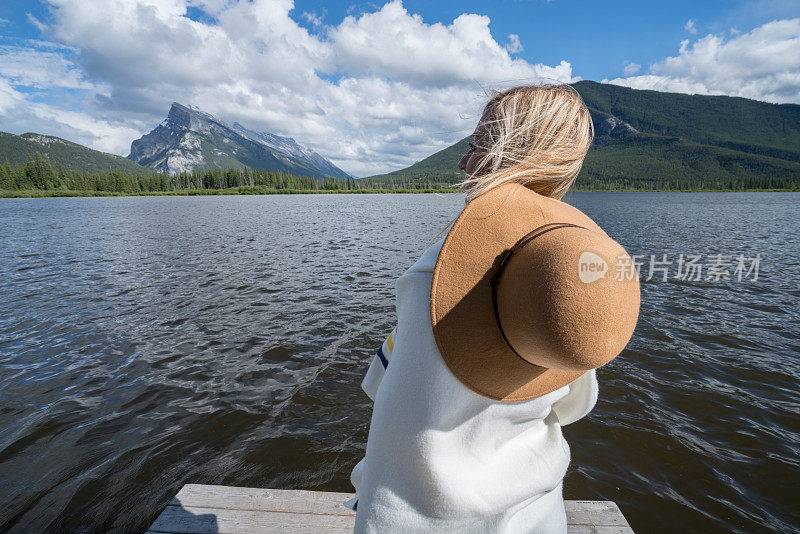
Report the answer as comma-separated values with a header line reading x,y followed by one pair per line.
x,y
529,293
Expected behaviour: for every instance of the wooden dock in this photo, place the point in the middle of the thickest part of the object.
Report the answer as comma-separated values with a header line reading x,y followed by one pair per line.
x,y
199,509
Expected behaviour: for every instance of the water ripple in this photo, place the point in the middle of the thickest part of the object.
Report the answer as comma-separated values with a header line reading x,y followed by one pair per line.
x,y
150,342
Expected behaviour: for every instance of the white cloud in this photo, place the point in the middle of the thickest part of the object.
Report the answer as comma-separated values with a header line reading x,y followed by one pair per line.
x,y
313,18
392,42
514,45
763,64
38,68
21,115
39,25
374,93
631,68
690,26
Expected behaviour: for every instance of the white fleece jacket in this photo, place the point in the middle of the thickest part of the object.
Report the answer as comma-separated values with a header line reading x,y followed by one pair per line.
x,y
441,458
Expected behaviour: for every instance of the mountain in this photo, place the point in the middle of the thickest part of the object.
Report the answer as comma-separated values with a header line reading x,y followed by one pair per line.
x,y
16,149
192,139
653,140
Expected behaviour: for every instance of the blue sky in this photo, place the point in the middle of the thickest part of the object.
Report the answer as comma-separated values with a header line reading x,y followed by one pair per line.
x,y
373,86
596,37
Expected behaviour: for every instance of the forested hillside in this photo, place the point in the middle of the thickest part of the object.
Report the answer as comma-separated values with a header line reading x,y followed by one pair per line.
x,y
671,141
18,149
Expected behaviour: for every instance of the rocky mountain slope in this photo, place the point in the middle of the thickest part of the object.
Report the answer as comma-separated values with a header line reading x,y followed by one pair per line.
x,y
192,139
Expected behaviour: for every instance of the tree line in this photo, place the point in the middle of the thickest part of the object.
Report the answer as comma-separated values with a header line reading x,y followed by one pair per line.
x,y
38,174
591,181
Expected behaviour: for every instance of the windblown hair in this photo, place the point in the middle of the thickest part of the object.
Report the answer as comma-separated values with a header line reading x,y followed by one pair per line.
x,y
536,135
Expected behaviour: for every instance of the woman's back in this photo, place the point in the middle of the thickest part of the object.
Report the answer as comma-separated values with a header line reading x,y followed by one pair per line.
x,y
500,328
443,458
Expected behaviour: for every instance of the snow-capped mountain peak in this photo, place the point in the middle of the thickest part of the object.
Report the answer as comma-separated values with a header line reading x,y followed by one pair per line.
x,y
190,139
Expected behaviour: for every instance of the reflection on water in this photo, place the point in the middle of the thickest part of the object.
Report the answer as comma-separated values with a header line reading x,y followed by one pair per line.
x,y
150,342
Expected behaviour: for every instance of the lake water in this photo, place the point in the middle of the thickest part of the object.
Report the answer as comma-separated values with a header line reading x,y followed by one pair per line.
x,y
150,342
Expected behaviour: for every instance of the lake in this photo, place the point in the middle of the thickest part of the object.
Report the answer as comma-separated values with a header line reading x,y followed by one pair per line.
x,y
148,342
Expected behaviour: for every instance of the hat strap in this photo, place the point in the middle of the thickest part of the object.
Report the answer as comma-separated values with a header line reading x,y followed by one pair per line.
x,y
527,238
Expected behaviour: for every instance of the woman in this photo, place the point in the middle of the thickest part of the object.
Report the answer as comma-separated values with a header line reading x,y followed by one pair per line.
x,y
497,339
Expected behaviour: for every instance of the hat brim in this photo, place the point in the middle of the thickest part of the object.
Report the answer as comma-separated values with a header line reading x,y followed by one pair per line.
x,y
462,313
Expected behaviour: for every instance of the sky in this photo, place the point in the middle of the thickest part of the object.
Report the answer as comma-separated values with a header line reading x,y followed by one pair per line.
x,y
376,86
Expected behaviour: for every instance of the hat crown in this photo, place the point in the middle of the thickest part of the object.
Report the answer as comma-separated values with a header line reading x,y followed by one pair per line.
x,y
517,327
561,302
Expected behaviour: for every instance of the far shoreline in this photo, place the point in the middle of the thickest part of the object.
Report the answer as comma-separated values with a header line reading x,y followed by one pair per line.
x,y
44,193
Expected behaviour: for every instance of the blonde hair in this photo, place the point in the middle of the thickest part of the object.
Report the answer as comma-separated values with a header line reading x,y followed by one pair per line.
x,y
536,135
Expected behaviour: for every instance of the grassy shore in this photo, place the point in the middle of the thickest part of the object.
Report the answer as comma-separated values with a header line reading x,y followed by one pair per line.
x,y
41,193
45,193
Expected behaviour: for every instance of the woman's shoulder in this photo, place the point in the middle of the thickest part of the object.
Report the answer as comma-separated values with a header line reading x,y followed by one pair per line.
x,y
427,261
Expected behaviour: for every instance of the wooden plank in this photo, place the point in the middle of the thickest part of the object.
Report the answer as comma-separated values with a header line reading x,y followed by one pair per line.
x,y
268,500
200,509
183,520
571,529
592,529
598,513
